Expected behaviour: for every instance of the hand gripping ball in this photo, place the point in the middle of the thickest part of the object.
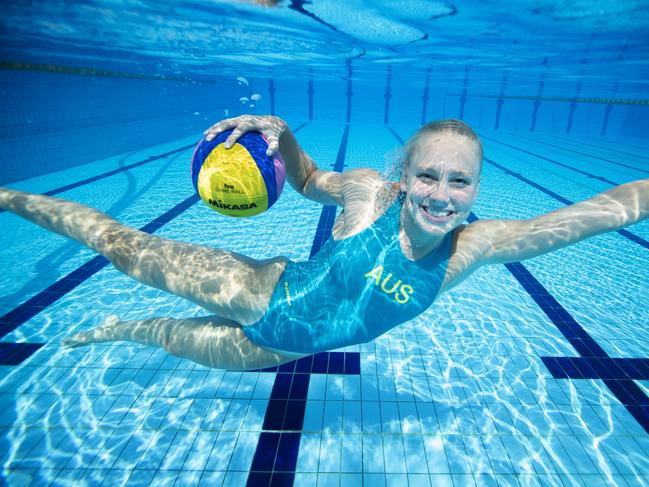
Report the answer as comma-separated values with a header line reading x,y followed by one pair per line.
x,y
241,181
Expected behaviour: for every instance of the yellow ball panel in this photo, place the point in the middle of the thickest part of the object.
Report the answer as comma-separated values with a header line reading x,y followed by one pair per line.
x,y
231,184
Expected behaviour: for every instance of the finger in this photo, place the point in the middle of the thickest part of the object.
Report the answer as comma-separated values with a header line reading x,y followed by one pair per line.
x,y
219,127
211,133
234,136
273,146
215,130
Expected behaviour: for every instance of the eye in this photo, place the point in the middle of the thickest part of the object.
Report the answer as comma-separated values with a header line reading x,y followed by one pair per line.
x,y
428,177
460,181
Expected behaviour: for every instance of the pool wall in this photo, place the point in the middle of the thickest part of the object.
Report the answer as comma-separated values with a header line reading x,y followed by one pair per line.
x,y
56,117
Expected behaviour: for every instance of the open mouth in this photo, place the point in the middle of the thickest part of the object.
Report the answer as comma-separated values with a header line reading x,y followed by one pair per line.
x,y
437,216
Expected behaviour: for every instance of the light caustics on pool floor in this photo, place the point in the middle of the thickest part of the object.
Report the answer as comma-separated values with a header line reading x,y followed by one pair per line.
x,y
532,373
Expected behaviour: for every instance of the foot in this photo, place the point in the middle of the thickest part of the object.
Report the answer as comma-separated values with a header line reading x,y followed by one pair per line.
x,y
105,332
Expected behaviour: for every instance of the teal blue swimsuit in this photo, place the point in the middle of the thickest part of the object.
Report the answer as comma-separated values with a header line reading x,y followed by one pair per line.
x,y
351,291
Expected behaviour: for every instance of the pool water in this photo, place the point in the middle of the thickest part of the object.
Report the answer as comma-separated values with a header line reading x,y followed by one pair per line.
x,y
479,389
532,373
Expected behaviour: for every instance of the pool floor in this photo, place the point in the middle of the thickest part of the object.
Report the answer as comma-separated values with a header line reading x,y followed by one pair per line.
x,y
534,373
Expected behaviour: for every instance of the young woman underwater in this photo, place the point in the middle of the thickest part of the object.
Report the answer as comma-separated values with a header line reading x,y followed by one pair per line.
x,y
394,248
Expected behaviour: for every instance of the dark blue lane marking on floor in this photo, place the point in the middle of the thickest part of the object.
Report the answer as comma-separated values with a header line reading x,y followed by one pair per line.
x,y
276,454
70,186
591,156
299,127
328,213
581,142
396,135
597,146
15,353
625,233
621,385
387,96
601,368
327,219
311,92
275,457
30,308
592,176
626,141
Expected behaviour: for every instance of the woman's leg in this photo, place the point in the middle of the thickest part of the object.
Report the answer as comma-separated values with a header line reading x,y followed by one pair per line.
x,y
211,341
225,283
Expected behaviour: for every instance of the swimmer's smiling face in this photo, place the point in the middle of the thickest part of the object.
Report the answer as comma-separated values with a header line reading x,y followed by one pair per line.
x,y
441,182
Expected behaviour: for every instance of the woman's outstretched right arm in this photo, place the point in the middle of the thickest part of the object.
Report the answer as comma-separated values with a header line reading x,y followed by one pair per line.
x,y
301,171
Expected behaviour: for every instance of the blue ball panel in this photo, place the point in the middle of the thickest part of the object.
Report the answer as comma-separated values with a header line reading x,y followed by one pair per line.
x,y
203,150
256,145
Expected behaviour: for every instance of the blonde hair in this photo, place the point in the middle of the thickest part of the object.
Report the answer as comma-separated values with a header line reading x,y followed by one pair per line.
x,y
447,125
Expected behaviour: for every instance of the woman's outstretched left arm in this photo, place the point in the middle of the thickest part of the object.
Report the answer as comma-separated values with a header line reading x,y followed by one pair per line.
x,y
515,240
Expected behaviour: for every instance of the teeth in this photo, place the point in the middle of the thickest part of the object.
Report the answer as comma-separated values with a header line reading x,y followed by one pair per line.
x,y
437,213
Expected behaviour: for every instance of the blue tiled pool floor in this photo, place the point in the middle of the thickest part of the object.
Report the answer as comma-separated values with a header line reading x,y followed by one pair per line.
x,y
532,374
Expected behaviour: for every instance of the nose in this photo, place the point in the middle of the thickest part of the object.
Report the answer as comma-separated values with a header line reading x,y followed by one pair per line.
x,y
438,196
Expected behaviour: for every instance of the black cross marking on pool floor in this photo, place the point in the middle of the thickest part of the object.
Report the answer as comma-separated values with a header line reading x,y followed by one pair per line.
x,y
618,374
275,457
